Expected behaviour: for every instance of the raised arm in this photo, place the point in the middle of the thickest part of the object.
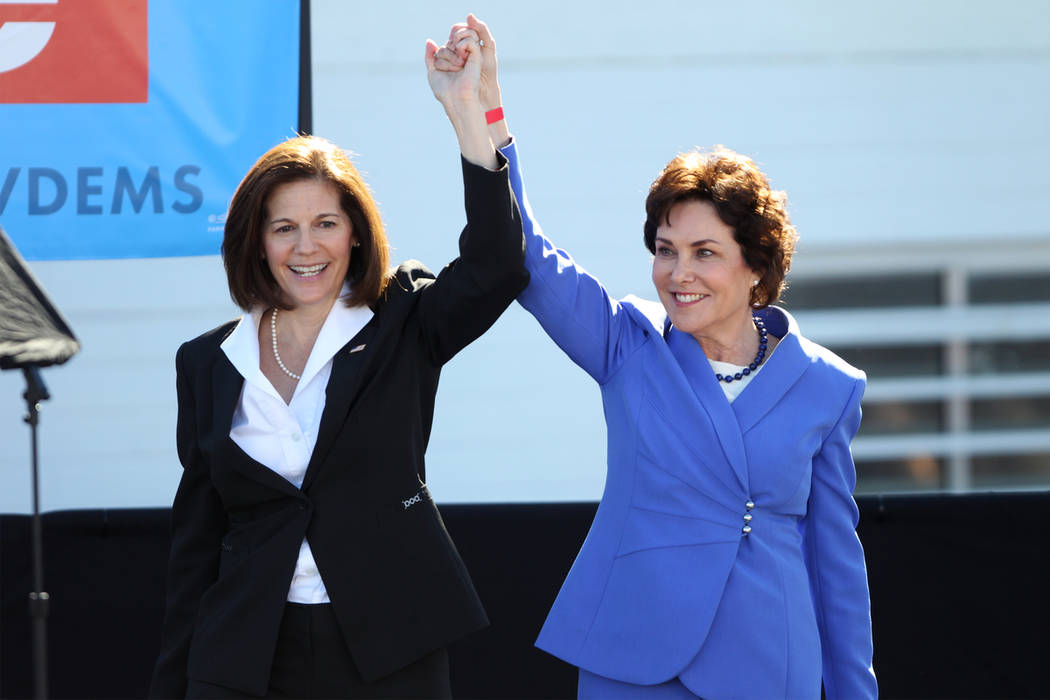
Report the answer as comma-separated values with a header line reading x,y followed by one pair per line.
x,y
491,97
473,290
458,93
572,306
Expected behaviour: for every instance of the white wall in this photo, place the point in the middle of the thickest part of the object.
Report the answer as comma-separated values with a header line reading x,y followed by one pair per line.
x,y
905,123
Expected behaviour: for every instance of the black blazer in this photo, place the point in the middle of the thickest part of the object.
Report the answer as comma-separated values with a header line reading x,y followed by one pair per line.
x,y
398,587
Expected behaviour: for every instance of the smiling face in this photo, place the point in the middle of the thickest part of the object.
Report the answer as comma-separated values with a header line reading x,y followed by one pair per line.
x,y
307,238
700,274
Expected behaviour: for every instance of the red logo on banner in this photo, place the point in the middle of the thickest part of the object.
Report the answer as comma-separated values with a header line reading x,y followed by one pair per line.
x,y
74,51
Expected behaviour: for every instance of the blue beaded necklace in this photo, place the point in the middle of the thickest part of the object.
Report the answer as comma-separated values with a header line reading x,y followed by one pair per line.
x,y
763,340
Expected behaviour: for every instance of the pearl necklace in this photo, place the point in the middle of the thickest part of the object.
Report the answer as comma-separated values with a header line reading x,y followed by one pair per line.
x,y
762,342
277,355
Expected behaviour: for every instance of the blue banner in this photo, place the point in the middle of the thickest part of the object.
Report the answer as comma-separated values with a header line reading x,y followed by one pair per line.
x,y
126,130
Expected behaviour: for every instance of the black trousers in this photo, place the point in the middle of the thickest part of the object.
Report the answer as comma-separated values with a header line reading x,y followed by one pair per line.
x,y
312,661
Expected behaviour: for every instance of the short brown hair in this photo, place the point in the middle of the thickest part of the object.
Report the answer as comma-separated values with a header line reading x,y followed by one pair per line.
x,y
302,158
741,195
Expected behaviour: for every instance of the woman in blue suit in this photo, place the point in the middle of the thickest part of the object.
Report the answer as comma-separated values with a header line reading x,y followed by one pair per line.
x,y
723,561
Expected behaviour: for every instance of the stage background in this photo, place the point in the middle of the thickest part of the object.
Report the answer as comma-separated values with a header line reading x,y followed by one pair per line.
x,y
958,592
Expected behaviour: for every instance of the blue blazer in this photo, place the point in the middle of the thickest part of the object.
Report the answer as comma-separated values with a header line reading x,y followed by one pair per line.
x,y
724,551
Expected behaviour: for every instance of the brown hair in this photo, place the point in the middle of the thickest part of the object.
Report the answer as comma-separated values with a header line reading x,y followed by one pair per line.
x,y
741,195
301,158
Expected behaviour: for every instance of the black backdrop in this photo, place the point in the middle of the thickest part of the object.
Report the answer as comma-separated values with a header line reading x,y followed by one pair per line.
x,y
959,586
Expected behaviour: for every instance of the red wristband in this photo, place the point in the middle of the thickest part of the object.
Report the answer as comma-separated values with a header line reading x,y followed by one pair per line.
x,y
493,115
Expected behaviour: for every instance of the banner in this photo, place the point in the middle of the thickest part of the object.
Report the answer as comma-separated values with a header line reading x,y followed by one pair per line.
x,y
126,125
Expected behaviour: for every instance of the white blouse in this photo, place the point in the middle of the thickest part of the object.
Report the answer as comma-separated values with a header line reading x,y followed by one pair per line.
x,y
282,436
733,388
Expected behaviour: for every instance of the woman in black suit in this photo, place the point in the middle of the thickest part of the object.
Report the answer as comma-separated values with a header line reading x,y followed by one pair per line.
x,y
307,557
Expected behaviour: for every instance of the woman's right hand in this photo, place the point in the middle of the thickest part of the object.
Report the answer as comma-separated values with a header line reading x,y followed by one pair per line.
x,y
453,55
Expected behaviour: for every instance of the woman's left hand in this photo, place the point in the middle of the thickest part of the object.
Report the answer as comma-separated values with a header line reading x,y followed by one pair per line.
x,y
453,56
457,89
455,76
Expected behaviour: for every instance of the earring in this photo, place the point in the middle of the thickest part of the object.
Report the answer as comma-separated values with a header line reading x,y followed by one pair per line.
x,y
754,283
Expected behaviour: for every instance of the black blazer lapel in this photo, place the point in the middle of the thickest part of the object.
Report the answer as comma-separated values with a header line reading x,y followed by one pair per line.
x,y
226,384
349,368
226,387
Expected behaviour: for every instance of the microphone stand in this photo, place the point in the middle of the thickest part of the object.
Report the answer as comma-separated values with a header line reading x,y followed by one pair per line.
x,y
33,334
36,392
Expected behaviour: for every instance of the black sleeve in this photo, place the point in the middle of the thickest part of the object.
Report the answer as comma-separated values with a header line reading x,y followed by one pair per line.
x,y
475,288
198,523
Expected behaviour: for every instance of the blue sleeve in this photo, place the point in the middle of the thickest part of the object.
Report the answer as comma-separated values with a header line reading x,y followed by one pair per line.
x,y
835,560
572,306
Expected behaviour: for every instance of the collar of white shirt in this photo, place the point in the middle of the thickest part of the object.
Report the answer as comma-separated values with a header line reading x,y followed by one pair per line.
x,y
342,323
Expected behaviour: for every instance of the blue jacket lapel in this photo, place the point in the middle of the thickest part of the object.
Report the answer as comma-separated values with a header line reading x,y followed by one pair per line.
x,y
692,361
782,370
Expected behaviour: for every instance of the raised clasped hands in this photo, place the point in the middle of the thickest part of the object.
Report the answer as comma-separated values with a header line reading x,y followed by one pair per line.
x,y
467,43
457,76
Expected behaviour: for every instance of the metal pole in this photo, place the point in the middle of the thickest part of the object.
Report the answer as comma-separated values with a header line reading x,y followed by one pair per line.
x,y
38,598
